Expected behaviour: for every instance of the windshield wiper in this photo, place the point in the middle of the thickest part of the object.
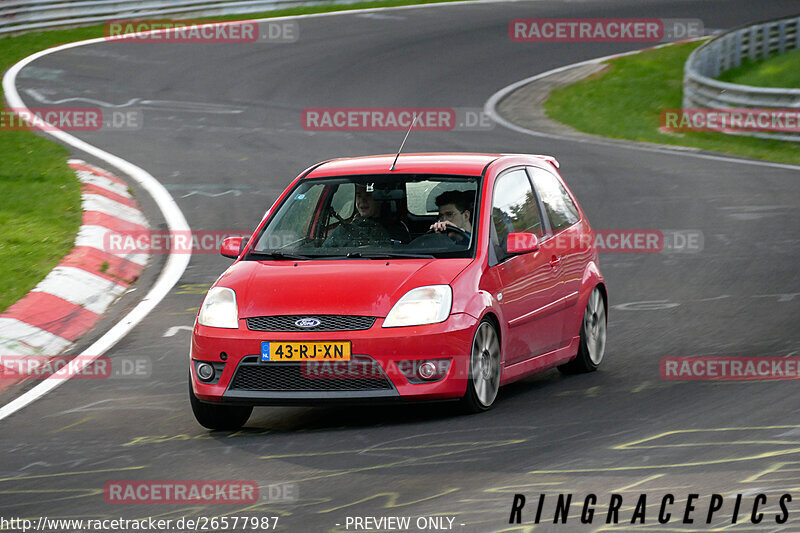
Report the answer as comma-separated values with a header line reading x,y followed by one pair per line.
x,y
277,254
388,255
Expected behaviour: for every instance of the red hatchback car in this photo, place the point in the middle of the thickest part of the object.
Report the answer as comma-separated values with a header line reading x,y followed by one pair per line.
x,y
440,276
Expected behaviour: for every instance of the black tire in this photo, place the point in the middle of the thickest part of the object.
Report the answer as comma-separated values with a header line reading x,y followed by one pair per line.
x,y
484,369
221,417
593,337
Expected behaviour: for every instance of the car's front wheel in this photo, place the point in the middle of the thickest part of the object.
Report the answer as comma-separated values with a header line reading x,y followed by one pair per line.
x,y
592,346
222,417
484,369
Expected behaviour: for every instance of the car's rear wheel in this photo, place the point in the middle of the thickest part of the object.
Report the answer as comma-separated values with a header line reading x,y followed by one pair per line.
x,y
222,417
592,346
484,369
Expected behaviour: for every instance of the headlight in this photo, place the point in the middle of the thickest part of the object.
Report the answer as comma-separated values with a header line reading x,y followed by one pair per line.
x,y
219,309
423,305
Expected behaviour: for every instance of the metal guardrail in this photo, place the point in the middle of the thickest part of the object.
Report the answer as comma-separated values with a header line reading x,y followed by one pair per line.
x,y
17,16
726,51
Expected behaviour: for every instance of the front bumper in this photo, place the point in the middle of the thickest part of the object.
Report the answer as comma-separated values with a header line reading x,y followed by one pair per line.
x,y
387,348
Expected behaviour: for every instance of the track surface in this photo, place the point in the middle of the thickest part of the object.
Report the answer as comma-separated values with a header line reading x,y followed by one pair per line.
x,y
622,429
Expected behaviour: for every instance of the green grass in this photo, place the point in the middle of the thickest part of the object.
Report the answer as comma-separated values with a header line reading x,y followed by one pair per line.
x,y
39,195
625,102
781,71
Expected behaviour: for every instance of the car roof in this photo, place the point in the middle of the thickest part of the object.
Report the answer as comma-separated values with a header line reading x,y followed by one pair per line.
x,y
464,164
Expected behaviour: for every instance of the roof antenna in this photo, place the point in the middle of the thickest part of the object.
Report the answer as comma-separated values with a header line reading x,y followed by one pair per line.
x,y
404,142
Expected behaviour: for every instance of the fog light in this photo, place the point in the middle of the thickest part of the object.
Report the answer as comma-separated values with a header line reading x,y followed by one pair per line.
x,y
205,372
426,370
422,370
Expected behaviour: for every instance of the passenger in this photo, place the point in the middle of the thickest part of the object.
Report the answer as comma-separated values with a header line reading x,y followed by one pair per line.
x,y
365,228
455,211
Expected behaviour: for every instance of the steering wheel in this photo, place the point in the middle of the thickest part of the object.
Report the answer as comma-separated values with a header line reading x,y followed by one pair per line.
x,y
463,236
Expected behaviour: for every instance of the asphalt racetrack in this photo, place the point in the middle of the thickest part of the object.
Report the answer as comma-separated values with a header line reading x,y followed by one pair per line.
x,y
222,131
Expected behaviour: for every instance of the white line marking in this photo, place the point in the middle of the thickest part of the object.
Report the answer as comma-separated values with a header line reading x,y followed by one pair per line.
x,y
81,287
176,262
235,192
175,329
490,108
39,97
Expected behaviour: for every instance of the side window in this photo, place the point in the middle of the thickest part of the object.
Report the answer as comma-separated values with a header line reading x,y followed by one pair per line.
x,y
513,209
556,202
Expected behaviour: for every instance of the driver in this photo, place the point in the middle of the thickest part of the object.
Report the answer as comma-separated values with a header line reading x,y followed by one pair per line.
x,y
365,228
454,210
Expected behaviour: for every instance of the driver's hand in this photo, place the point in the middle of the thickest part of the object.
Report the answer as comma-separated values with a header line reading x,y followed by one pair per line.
x,y
441,226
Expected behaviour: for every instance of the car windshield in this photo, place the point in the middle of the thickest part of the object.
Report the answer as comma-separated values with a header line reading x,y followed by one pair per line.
x,y
373,217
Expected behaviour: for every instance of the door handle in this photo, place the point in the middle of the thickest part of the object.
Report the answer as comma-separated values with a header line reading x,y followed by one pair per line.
x,y
555,261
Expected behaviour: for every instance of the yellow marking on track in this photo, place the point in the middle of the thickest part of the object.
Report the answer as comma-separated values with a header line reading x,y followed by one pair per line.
x,y
157,439
521,528
389,449
512,489
77,473
192,288
637,483
260,507
713,443
474,447
71,425
765,455
761,477
636,445
391,500
642,386
179,513
187,311
248,432
82,493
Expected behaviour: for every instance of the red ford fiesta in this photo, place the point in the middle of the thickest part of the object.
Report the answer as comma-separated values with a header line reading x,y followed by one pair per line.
x,y
438,276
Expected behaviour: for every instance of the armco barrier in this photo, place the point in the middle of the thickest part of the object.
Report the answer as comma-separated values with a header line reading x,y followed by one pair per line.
x,y
18,16
726,51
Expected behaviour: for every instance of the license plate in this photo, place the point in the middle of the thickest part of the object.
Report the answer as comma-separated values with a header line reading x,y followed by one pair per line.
x,y
305,351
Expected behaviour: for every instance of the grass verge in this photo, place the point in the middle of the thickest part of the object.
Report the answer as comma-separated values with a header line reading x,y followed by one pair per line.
x,y
39,195
782,71
625,102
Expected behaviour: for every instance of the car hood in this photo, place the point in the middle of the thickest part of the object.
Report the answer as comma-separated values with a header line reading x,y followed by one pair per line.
x,y
332,287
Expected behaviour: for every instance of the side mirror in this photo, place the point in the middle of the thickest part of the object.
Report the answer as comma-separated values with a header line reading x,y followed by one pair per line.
x,y
521,243
232,247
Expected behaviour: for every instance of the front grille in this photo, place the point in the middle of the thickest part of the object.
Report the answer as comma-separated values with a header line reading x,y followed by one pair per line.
x,y
362,373
326,323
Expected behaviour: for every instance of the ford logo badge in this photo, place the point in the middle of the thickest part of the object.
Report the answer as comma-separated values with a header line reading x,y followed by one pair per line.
x,y
307,323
